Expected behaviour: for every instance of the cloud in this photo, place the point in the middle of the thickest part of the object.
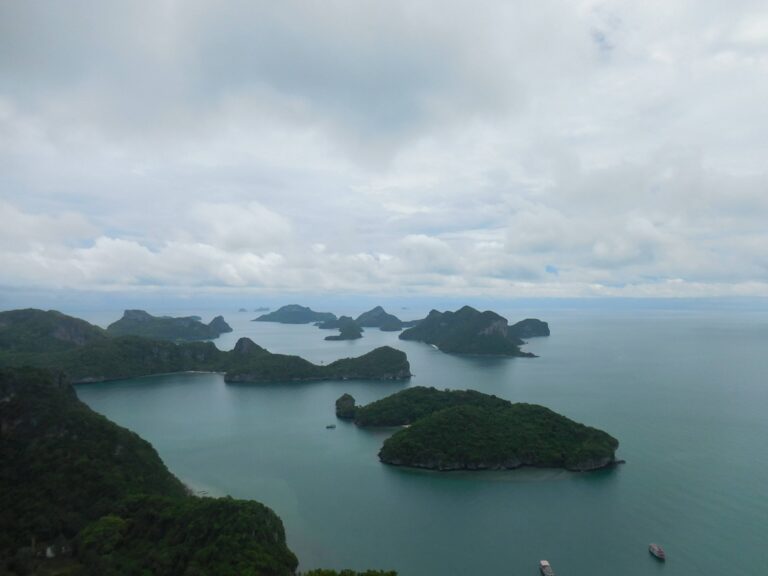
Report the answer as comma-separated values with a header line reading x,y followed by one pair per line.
x,y
432,148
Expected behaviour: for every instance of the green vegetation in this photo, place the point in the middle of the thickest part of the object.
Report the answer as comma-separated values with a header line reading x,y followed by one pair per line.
x,y
77,484
348,330
140,323
468,430
86,354
35,331
345,407
295,314
466,331
383,363
408,406
529,328
379,318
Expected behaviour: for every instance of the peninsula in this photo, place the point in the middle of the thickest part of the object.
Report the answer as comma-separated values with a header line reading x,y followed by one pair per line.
x,y
467,331
114,508
79,494
141,323
468,430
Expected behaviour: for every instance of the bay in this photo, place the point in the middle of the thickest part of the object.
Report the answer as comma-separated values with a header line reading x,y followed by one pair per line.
x,y
684,391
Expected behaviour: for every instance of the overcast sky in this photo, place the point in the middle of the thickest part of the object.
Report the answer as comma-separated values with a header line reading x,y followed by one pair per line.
x,y
549,148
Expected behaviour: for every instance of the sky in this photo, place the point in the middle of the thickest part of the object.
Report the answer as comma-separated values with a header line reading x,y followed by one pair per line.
x,y
451,149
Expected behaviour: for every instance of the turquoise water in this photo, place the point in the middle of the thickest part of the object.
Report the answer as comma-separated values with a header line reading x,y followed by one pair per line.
x,y
684,392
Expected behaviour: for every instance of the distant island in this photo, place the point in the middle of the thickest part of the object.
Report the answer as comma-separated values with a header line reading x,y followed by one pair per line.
x,y
295,314
379,318
141,323
86,353
529,328
469,331
251,363
468,430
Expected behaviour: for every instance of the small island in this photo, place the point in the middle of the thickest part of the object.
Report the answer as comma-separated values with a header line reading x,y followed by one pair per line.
x,y
378,318
467,331
295,314
529,328
348,330
141,323
469,430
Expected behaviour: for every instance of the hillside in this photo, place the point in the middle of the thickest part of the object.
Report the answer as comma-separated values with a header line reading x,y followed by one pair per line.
x,y
475,437
259,365
99,499
409,405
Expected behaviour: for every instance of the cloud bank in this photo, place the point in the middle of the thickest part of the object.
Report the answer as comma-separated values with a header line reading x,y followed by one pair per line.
x,y
500,149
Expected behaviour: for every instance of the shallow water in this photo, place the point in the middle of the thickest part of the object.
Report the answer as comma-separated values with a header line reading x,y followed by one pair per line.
x,y
685,392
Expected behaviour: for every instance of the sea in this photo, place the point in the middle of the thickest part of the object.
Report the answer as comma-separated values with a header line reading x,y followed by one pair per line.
x,y
684,390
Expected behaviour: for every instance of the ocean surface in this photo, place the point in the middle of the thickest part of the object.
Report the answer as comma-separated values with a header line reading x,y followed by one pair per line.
x,y
684,391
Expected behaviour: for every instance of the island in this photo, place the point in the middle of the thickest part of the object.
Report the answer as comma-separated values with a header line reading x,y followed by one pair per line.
x,y
141,323
86,353
529,328
295,314
379,318
348,330
251,363
467,331
468,430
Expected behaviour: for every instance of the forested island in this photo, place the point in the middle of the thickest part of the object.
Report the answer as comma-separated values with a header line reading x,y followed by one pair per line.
x,y
469,430
141,323
295,314
86,353
469,331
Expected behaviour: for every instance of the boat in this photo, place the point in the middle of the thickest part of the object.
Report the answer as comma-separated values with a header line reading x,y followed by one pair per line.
x,y
657,551
331,426
545,568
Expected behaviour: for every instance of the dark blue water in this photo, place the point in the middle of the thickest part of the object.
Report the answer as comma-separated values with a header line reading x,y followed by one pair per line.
x,y
684,392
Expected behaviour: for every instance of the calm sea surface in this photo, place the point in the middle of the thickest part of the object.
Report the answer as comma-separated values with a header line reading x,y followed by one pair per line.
x,y
684,392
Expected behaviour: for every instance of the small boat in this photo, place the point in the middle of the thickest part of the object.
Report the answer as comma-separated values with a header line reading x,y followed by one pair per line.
x,y
331,426
657,551
545,568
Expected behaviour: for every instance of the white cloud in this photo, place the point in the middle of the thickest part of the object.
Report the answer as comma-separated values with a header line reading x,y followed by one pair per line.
x,y
554,148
